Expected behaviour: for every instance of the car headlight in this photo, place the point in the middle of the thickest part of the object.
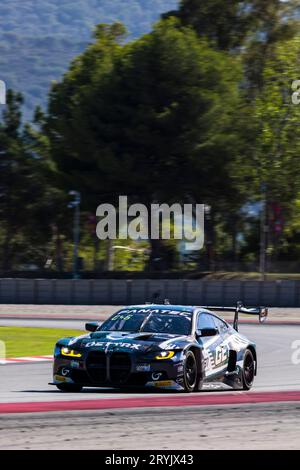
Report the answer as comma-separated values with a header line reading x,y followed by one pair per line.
x,y
164,355
70,352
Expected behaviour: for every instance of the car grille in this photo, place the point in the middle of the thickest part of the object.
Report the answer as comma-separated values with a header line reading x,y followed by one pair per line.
x,y
112,368
120,367
96,366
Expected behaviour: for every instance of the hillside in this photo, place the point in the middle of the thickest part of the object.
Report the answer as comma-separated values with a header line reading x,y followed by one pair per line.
x,y
38,39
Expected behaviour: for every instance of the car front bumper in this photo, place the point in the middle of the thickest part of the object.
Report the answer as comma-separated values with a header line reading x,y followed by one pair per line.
x,y
100,369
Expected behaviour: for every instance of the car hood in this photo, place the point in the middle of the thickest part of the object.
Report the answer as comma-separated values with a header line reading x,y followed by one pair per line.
x,y
118,340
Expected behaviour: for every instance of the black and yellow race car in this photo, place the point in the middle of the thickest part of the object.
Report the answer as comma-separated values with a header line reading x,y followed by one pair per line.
x,y
167,346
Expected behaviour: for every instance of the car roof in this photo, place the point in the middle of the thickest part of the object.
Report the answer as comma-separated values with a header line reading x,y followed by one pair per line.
x,y
179,308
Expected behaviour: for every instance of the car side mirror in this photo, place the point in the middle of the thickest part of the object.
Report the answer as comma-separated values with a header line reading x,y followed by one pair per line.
x,y
207,332
91,326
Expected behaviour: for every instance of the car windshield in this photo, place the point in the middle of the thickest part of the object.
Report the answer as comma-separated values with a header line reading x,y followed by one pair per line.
x,y
150,321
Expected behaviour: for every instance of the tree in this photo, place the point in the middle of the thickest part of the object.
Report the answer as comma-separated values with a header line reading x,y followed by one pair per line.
x,y
225,23
48,208
277,22
29,202
254,31
271,162
146,119
13,187
232,23
250,28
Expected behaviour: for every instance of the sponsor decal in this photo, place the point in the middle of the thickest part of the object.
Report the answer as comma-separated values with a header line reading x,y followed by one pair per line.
x,y
156,375
75,364
100,344
143,367
59,378
149,310
171,346
163,383
168,384
215,357
221,355
205,360
121,316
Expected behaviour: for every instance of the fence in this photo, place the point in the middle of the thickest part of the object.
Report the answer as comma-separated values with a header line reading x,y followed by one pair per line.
x,y
124,292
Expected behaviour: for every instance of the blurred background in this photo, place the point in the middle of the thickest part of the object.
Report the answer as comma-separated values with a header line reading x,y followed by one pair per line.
x,y
164,102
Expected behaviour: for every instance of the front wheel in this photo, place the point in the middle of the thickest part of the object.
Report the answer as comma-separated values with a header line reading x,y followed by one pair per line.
x,y
71,388
248,370
190,373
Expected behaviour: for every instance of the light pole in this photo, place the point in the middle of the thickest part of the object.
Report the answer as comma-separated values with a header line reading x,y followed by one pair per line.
x,y
263,233
75,204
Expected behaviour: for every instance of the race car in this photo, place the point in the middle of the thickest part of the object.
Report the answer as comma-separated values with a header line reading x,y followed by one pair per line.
x,y
167,346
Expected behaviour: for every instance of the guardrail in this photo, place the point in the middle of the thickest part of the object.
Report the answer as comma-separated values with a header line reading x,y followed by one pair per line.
x,y
122,292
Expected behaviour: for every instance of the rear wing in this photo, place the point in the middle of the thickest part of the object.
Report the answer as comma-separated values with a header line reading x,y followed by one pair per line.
x,y
261,312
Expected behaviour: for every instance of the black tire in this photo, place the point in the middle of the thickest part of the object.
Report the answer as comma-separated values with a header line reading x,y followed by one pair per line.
x,y
71,388
190,372
248,370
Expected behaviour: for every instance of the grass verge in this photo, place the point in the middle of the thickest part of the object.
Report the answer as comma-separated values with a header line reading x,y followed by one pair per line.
x,y
20,341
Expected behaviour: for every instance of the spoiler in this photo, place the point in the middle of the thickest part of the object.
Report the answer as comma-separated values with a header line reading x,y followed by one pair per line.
x,y
261,312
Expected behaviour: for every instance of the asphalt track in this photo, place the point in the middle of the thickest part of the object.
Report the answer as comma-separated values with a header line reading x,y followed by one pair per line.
x,y
268,417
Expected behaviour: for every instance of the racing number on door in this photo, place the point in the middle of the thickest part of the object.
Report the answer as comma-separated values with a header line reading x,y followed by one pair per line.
x,y
221,355
216,357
